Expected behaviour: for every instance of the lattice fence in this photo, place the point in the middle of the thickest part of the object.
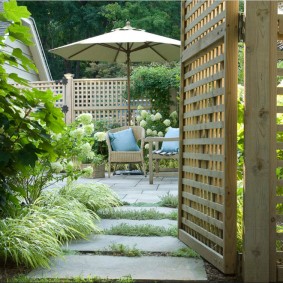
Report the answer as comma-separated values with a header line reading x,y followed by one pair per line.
x,y
103,98
208,169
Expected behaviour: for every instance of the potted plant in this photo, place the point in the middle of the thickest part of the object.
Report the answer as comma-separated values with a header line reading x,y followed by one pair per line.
x,y
98,165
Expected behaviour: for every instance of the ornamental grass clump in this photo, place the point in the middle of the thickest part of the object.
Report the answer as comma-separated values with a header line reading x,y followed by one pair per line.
x,y
39,230
93,196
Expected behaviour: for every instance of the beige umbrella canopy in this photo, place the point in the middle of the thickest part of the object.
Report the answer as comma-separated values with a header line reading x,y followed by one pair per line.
x,y
125,45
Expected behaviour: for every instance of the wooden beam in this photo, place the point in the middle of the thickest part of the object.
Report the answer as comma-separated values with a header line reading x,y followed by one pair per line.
x,y
260,136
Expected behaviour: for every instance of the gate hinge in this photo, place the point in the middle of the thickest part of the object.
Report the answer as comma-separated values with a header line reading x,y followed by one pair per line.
x,y
241,27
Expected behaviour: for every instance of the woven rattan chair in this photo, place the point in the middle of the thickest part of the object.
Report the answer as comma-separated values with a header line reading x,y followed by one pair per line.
x,y
126,157
155,155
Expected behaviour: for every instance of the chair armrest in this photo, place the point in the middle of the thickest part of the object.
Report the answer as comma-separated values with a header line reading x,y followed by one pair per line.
x,y
159,139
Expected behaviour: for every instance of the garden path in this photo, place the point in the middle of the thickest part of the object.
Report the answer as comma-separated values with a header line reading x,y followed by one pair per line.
x,y
93,257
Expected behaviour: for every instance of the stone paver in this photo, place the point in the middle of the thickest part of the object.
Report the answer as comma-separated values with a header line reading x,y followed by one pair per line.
x,y
147,244
113,267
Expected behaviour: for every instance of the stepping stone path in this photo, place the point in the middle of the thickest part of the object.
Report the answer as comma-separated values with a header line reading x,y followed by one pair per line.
x,y
94,258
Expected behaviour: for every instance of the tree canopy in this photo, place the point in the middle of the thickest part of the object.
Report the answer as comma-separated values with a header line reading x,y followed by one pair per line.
x,y
63,22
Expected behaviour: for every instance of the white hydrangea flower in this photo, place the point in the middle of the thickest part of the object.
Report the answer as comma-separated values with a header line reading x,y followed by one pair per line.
x,y
154,133
174,115
78,133
139,118
88,129
158,116
140,107
144,113
88,171
152,117
160,134
85,148
167,122
100,136
149,132
146,146
85,118
69,166
57,167
167,129
143,123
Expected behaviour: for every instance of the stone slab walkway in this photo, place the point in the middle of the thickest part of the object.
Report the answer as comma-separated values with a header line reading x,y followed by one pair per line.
x,y
146,268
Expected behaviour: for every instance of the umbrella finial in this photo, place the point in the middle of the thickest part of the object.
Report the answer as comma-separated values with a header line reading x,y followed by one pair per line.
x,y
128,25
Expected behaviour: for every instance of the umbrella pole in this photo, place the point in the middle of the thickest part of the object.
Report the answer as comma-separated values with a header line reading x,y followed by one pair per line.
x,y
128,88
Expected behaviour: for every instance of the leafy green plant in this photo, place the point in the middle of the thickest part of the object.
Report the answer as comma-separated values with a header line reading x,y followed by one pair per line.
x,y
169,200
120,249
141,230
185,252
154,83
144,214
27,116
93,196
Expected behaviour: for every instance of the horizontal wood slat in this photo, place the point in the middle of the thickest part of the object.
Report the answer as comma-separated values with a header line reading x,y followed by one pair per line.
x,y
204,172
212,38
205,187
206,202
203,15
203,156
207,218
203,232
207,27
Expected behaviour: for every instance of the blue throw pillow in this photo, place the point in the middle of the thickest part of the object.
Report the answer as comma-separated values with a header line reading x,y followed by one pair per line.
x,y
123,141
171,146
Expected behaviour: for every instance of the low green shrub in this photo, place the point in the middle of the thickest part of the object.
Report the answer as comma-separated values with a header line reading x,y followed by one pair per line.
x,y
142,230
169,200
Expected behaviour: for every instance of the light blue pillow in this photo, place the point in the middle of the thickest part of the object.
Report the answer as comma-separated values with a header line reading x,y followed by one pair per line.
x,y
123,141
171,146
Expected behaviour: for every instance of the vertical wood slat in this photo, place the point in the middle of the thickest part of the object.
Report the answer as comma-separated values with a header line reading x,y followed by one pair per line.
x,y
231,85
208,97
260,137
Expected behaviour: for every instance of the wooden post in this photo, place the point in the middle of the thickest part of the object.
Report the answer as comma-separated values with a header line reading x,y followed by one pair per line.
x,y
68,98
260,84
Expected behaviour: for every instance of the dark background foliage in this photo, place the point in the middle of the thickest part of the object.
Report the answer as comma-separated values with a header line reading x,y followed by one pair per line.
x,y
63,22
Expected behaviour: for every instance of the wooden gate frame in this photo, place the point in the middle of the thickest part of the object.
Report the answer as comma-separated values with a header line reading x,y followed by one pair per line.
x,y
207,192
259,256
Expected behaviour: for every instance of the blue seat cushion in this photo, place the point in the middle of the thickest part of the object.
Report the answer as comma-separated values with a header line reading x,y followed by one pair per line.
x,y
171,146
123,141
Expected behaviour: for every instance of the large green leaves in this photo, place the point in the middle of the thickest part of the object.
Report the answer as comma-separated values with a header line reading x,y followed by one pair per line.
x,y
28,116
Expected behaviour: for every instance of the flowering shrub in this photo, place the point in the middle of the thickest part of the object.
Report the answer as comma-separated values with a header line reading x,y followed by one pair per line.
x,y
154,124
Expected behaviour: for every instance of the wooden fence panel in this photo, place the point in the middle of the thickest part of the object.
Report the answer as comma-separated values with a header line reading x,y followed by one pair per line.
x,y
103,98
208,122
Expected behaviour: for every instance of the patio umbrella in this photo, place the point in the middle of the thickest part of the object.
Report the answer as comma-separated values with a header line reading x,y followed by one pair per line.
x,y
125,45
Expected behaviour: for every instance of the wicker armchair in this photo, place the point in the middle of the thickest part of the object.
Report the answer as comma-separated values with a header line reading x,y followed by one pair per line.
x,y
126,157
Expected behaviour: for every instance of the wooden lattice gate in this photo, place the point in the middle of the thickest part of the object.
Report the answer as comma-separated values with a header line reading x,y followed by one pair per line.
x,y
207,188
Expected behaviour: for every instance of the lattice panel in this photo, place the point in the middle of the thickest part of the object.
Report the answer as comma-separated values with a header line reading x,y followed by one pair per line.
x,y
204,134
104,99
